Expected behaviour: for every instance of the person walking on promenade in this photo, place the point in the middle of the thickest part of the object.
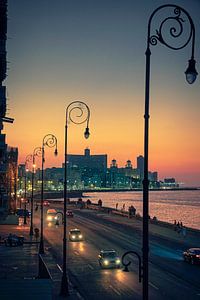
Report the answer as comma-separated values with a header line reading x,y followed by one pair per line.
x,y
116,206
175,225
184,231
36,230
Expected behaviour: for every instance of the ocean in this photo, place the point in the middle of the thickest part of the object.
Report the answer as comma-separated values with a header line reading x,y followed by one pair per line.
x,y
182,205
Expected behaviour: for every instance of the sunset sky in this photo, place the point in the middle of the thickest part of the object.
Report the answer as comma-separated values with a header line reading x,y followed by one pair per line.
x,y
93,51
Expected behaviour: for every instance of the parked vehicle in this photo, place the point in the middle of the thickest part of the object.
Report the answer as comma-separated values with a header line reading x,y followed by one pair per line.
x,y
13,240
21,212
109,259
192,255
70,213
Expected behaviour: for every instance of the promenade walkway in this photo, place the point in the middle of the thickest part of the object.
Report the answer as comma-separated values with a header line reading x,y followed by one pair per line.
x,y
161,229
19,270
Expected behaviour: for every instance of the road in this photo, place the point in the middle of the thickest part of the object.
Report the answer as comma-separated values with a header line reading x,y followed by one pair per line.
x,y
169,276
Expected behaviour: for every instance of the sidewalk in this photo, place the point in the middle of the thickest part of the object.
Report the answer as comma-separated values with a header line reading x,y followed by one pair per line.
x,y
19,270
162,229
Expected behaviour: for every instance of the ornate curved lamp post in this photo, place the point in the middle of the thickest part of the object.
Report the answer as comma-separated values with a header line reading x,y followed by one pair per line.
x,y
178,15
78,113
36,152
28,159
50,141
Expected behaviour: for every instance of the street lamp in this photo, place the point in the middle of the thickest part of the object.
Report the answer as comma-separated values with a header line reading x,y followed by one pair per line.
x,y
50,141
178,15
36,152
28,159
78,113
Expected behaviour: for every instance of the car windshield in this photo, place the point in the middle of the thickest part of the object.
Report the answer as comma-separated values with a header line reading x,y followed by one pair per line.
x,y
75,232
51,211
110,255
197,251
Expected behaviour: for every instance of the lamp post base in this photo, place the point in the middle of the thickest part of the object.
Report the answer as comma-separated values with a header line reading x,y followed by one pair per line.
x,y
64,286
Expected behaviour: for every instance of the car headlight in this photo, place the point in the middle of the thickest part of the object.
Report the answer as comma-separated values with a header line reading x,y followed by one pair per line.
x,y
106,262
80,236
73,236
118,261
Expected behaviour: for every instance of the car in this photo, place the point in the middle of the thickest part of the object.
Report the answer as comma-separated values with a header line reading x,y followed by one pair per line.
x,y
13,240
52,215
46,203
109,259
21,212
192,255
75,235
69,213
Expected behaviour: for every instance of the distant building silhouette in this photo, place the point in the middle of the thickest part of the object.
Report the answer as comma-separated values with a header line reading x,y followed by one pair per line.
x,y
92,168
140,166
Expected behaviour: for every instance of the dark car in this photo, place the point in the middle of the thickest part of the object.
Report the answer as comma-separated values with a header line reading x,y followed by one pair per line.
x,y
13,240
70,213
192,255
21,212
75,235
109,259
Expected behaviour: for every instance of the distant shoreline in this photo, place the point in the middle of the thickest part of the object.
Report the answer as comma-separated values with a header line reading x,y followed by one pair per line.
x,y
140,190
81,193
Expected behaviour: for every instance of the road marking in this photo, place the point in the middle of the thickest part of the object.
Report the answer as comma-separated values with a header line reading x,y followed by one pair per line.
x,y
115,290
59,267
90,266
152,285
76,252
79,296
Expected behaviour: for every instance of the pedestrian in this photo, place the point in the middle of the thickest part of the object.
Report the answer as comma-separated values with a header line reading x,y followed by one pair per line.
x,y
116,206
57,223
36,230
123,207
100,203
10,239
175,225
184,232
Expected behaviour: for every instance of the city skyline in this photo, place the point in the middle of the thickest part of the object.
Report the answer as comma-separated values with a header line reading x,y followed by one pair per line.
x,y
94,52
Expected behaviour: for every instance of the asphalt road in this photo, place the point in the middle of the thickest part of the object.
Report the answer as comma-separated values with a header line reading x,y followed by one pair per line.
x,y
169,276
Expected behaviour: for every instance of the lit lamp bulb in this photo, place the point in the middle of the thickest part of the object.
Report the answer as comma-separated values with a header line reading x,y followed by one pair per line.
x,y
56,152
86,133
191,72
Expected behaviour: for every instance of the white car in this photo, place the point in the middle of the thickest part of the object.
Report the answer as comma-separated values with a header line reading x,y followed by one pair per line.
x,y
75,235
51,215
109,259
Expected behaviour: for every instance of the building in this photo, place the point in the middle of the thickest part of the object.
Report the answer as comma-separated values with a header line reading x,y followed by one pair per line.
x,y
125,177
169,183
91,167
88,161
12,175
4,156
140,166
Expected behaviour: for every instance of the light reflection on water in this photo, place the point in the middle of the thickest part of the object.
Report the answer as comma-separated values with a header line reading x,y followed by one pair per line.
x,y
167,206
